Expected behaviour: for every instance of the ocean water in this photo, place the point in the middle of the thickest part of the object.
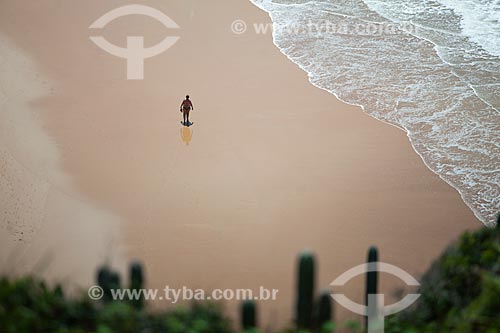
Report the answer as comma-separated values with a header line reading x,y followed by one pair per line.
x,y
430,67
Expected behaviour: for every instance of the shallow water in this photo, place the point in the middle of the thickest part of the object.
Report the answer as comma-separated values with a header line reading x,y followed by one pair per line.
x,y
429,67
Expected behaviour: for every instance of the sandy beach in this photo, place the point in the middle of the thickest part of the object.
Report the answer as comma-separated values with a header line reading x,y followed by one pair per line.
x,y
271,166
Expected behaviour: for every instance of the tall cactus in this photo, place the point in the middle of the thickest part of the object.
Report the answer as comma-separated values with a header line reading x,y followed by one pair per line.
x,y
371,278
305,290
108,279
248,316
137,282
104,281
324,308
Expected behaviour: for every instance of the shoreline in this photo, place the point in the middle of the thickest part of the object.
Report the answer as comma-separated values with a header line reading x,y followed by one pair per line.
x,y
232,209
407,133
467,198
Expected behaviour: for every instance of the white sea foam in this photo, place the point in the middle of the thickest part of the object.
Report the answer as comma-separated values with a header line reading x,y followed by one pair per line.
x,y
480,21
431,79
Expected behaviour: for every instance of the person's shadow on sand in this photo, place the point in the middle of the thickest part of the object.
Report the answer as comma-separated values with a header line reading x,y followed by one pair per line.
x,y
186,134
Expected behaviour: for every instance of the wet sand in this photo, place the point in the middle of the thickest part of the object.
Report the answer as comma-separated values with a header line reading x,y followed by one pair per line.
x,y
271,166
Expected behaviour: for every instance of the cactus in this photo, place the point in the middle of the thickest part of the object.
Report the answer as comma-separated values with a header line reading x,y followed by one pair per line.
x,y
371,278
324,312
248,316
104,281
115,280
107,279
58,291
137,282
305,291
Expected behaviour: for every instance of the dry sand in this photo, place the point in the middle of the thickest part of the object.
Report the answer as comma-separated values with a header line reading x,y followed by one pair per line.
x,y
47,227
274,165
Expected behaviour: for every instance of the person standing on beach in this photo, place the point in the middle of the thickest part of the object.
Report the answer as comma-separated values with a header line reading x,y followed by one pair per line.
x,y
186,106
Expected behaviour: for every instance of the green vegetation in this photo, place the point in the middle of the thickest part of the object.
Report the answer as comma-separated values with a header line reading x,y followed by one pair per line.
x,y
323,315
310,315
371,277
460,293
28,305
249,316
137,282
305,291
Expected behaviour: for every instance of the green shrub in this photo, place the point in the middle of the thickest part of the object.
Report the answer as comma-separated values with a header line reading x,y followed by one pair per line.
x,y
460,293
27,305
